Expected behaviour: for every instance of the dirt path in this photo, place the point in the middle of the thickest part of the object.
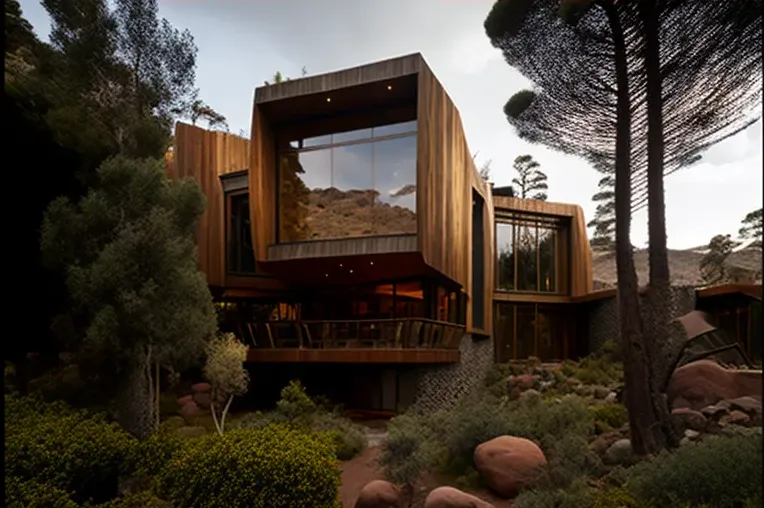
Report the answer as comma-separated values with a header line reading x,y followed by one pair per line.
x,y
358,472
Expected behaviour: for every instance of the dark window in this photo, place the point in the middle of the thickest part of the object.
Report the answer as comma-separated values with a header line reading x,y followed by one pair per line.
x,y
478,274
526,329
241,255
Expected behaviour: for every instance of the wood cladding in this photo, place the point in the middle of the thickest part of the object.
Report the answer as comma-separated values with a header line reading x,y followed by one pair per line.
x,y
205,155
390,356
580,267
446,177
262,185
386,69
343,247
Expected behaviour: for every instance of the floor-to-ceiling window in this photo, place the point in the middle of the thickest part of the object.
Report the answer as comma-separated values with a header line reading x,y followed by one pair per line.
x,y
348,184
523,330
240,255
530,251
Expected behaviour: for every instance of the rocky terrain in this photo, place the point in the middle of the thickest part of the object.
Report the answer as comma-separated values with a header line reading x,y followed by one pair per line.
x,y
742,265
333,213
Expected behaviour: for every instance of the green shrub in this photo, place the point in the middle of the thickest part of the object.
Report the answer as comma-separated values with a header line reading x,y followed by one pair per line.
x,y
577,495
150,456
143,499
273,467
609,416
723,472
64,449
477,421
21,493
297,410
570,459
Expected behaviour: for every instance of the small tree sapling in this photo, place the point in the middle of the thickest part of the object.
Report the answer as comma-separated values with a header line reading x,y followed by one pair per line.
x,y
226,374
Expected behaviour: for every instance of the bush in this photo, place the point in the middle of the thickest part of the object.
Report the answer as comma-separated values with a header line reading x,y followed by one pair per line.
x,y
609,416
144,499
64,449
570,459
150,456
578,495
723,472
296,409
273,467
407,451
21,493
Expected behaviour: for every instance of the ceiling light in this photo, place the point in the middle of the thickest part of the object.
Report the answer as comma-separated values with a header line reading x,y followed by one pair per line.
x,y
328,99
371,262
340,265
389,87
327,274
351,271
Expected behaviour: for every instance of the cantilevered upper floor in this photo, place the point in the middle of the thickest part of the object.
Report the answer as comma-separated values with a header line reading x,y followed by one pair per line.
x,y
351,177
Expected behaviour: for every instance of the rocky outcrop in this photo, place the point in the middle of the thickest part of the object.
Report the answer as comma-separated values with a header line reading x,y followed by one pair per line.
x,y
449,497
509,464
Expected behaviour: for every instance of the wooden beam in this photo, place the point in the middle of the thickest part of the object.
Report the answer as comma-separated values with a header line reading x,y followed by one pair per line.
x,y
409,356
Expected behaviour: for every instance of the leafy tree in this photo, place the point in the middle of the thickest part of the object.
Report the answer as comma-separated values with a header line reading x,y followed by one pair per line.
x,y
138,300
226,373
604,217
530,179
712,266
200,110
752,227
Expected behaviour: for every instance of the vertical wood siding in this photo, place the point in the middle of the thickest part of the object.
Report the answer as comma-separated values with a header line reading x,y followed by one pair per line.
x,y
205,155
446,176
262,185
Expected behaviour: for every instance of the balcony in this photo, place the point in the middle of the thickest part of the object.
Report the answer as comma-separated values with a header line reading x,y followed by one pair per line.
x,y
408,340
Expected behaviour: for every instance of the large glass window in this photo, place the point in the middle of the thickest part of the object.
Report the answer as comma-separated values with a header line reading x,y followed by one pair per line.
x,y
526,329
240,253
347,184
528,254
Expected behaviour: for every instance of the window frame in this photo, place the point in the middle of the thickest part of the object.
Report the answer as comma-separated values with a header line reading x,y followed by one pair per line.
x,y
228,198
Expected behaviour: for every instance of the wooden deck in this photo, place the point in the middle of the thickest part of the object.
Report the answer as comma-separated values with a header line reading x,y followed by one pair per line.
x,y
409,340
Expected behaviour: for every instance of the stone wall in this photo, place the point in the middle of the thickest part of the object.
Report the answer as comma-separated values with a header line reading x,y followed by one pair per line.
x,y
442,386
603,314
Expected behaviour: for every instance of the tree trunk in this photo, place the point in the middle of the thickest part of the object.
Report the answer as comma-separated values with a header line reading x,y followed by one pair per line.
x,y
636,372
659,294
135,410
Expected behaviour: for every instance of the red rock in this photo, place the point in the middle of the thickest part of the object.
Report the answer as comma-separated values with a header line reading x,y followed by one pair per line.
x,y
509,464
685,418
202,400
449,497
736,417
379,494
705,382
749,405
602,442
201,388
190,412
185,400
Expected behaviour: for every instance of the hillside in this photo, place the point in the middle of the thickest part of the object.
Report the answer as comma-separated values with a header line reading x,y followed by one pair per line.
x,y
683,264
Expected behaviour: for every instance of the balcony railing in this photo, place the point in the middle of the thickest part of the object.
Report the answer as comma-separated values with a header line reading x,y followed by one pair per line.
x,y
404,333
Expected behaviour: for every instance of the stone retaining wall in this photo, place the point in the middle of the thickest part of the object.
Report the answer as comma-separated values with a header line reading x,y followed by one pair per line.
x,y
442,386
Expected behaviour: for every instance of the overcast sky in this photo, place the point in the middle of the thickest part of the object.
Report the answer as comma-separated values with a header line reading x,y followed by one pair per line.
x,y
243,42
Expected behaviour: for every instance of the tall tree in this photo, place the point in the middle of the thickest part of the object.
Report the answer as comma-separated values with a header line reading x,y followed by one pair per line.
x,y
530,181
583,73
603,237
138,300
712,265
200,110
752,228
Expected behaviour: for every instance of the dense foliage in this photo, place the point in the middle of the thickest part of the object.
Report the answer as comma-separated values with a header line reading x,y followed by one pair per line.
x,y
273,467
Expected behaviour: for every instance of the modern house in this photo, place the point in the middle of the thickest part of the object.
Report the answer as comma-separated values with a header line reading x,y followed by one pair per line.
x,y
352,242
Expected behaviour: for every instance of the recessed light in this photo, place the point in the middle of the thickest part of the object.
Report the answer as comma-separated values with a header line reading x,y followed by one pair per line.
x,y
328,99
340,265
351,271
327,274
371,262
389,87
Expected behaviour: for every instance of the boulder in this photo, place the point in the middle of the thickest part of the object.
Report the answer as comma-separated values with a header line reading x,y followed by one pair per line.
x,y
749,405
523,382
705,382
601,392
201,388
619,452
686,418
692,435
202,399
449,497
508,464
379,494
602,442
190,412
185,400
736,417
